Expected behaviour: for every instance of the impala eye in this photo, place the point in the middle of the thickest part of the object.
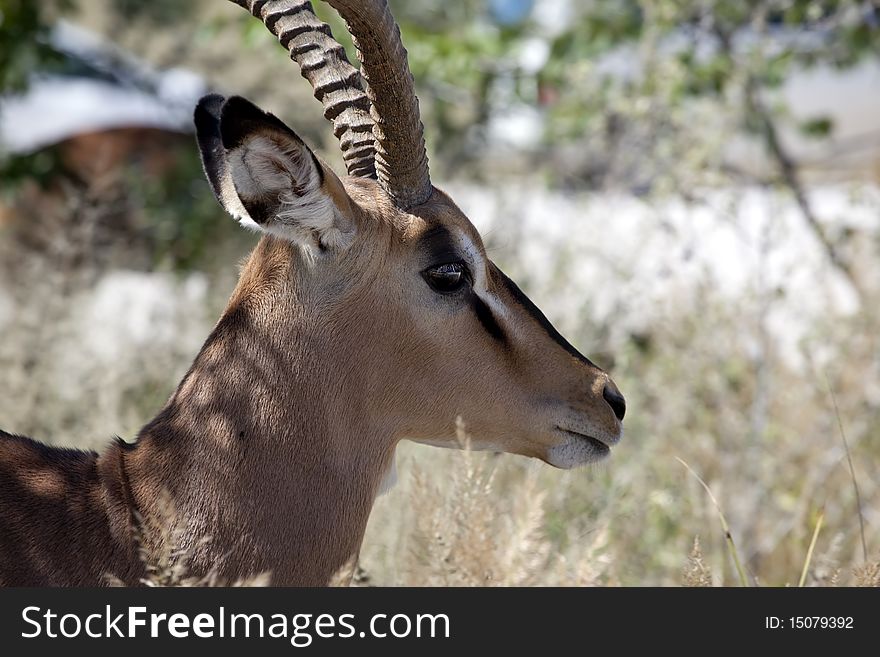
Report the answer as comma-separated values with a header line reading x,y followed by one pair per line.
x,y
446,278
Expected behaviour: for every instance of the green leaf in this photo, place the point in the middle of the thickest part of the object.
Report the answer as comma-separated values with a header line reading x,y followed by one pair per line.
x,y
817,127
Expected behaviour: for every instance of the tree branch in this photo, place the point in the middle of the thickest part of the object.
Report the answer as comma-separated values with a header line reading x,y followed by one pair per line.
x,y
791,178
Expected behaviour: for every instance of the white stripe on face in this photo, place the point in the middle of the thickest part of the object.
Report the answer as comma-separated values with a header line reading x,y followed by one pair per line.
x,y
477,262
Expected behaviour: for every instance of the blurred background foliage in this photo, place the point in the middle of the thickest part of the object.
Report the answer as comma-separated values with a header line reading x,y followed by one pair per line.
x,y
643,95
470,58
673,125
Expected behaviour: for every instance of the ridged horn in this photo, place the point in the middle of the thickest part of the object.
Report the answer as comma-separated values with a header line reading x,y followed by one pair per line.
x,y
400,158
322,61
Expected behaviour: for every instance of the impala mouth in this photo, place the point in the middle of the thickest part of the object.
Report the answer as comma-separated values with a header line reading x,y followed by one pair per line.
x,y
600,447
578,448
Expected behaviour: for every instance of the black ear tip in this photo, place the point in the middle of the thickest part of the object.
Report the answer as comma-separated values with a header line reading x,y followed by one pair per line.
x,y
239,117
236,108
209,107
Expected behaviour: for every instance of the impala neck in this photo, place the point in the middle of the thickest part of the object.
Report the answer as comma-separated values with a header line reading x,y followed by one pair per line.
x,y
264,459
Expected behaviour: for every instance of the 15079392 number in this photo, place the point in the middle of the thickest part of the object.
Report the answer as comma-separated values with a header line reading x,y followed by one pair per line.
x,y
821,622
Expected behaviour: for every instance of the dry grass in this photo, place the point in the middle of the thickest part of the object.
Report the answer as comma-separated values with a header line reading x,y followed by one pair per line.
x,y
167,559
704,384
696,572
867,574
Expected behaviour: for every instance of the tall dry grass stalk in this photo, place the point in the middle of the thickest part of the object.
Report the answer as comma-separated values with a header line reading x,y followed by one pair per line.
x,y
458,539
734,553
867,574
852,471
166,555
461,537
470,528
696,572
809,557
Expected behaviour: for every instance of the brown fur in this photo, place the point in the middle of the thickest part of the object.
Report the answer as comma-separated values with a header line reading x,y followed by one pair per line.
x,y
272,449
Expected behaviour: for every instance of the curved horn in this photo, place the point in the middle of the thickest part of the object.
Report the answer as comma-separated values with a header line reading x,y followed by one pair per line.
x,y
401,161
323,63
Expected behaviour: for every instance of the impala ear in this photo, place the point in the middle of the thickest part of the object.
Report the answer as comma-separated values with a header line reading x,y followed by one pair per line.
x,y
266,177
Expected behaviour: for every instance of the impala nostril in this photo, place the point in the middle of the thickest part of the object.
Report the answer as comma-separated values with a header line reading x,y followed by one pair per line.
x,y
615,400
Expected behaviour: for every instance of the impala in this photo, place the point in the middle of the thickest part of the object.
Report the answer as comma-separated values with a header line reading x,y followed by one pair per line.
x,y
368,313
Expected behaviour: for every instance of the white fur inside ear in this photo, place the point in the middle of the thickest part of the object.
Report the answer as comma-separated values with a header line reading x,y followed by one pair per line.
x,y
282,173
229,199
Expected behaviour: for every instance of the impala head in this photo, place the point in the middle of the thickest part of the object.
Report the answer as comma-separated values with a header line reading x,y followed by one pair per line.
x,y
396,278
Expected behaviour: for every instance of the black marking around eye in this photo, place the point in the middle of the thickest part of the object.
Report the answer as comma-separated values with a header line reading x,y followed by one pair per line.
x,y
539,317
437,242
487,319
